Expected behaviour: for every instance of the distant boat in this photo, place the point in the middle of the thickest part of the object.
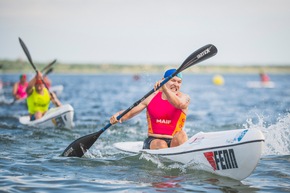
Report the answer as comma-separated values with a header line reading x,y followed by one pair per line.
x,y
259,84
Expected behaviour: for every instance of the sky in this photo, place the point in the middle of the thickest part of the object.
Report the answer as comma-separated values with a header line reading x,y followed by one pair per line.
x,y
245,32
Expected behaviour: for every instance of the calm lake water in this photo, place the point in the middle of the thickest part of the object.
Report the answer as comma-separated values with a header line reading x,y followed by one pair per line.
x,y
30,158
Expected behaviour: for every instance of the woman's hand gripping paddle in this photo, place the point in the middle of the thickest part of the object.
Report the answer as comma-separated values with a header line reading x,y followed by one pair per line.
x,y
79,147
32,64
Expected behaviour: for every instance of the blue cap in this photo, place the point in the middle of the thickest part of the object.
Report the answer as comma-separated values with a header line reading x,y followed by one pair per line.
x,y
170,72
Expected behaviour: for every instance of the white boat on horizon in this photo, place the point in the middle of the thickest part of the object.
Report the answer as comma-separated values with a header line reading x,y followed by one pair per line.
x,y
259,84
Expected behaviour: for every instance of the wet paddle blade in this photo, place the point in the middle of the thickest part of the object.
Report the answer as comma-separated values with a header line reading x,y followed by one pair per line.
x,y
79,147
48,72
199,55
27,53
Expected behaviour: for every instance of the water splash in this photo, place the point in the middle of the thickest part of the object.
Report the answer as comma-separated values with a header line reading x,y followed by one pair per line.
x,y
162,163
153,159
277,140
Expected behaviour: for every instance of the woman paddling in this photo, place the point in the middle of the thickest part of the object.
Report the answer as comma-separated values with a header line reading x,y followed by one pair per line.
x,y
166,114
19,88
39,98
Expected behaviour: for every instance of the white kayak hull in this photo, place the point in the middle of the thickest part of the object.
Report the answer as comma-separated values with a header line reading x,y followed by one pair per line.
x,y
258,84
234,153
60,117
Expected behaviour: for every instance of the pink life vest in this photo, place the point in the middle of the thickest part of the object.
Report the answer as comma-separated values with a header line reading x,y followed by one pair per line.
x,y
163,118
21,90
265,78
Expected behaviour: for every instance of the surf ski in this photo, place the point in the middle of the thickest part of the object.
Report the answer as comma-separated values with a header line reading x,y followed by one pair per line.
x,y
234,153
259,84
60,117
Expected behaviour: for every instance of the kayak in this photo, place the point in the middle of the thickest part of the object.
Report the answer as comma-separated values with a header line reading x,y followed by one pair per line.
x,y
234,153
60,117
258,84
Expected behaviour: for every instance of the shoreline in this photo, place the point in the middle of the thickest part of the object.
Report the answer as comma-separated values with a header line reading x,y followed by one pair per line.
x,y
7,66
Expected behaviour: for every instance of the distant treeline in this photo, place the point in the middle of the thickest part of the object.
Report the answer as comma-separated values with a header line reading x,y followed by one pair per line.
x,y
19,66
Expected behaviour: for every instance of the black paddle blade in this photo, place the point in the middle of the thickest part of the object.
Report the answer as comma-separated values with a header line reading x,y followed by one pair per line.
x,y
199,55
48,72
48,66
79,147
26,52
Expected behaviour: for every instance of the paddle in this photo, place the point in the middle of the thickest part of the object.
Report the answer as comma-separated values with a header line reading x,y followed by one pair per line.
x,y
32,64
49,66
81,145
48,72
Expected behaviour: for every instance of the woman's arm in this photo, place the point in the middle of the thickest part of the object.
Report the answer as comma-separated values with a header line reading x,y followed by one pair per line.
x,y
133,112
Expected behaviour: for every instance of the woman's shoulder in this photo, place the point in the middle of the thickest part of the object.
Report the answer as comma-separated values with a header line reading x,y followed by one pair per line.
x,y
150,97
